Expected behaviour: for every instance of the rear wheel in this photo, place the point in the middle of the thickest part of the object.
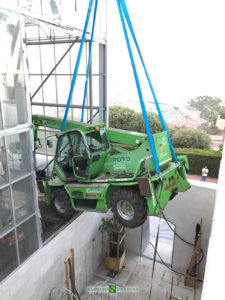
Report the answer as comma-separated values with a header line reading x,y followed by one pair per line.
x,y
129,208
62,204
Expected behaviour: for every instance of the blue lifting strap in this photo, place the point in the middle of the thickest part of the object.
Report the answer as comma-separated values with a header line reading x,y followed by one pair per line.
x,y
77,66
145,116
89,61
126,14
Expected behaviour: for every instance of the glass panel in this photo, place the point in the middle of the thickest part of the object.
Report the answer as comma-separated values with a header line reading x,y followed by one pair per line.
x,y
49,88
6,219
51,9
40,161
35,82
27,239
11,51
33,55
37,110
64,66
63,88
95,90
47,58
8,259
14,103
78,94
3,163
51,142
23,199
165,240
1,126
97,140
64,148
32,5
50,111
77,115
18,150
95,58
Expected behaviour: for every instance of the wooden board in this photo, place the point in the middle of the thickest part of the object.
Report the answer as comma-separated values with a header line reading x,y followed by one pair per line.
x,y
115,264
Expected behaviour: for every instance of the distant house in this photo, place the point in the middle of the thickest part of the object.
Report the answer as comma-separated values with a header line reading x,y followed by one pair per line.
x,y
216,141
220,123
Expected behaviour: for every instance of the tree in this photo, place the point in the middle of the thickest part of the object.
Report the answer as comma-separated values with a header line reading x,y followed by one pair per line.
x,y
190,138
127,119
208,106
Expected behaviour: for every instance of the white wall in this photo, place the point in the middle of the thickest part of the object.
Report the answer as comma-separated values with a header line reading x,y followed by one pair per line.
x,y
44,270
185,211
213,287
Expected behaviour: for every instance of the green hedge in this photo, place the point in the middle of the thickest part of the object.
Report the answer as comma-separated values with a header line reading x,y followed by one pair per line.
x,y
198,158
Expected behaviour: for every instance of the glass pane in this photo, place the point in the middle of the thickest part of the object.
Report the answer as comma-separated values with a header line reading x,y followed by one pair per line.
x,y
1,126
11,51
35,82
14,103
63,88
6,219
64,66
50,111
28,241
47,58
37,110
8,259
51,142
23,199
32,5
18,150
64,148
97,140
3,163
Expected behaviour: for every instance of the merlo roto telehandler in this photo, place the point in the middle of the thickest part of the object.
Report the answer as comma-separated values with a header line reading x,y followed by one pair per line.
x,y
96,168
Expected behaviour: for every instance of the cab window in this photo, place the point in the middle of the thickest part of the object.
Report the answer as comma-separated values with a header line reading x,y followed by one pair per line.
x,y
97,140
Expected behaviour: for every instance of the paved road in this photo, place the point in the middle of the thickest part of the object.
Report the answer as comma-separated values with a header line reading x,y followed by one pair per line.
x,y
198,177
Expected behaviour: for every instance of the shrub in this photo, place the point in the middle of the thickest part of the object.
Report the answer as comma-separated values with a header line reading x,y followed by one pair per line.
x,y
128,119
198,158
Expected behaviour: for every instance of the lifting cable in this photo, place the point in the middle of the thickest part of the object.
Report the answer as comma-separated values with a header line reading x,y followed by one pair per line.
x,y
145,116
77,65
89,60
126,14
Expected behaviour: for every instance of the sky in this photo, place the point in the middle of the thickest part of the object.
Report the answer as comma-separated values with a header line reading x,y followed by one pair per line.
x,y
183,45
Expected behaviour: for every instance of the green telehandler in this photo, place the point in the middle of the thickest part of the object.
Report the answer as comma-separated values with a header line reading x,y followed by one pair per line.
x,y
96,168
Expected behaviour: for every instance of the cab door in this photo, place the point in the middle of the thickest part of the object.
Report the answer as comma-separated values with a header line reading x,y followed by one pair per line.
x,y
81,157
72,155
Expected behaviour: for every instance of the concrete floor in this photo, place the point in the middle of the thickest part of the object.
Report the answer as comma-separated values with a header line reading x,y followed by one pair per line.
x,y
137,277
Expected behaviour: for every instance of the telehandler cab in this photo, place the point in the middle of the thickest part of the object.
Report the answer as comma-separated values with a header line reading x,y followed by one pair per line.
x,y
97,168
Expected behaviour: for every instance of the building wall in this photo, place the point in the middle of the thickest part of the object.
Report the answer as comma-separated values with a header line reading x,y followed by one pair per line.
x,y
185,211
19,226
45,269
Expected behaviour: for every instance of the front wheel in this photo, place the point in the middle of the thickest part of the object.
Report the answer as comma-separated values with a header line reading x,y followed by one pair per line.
x,y
62,204
129,208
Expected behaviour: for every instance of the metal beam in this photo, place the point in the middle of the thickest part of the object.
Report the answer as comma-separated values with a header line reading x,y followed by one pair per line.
x,y
102,83
64,105
34,42
91,92
62,74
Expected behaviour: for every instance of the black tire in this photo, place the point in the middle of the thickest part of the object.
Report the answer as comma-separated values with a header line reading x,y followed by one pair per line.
x,y
62,204
129,208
